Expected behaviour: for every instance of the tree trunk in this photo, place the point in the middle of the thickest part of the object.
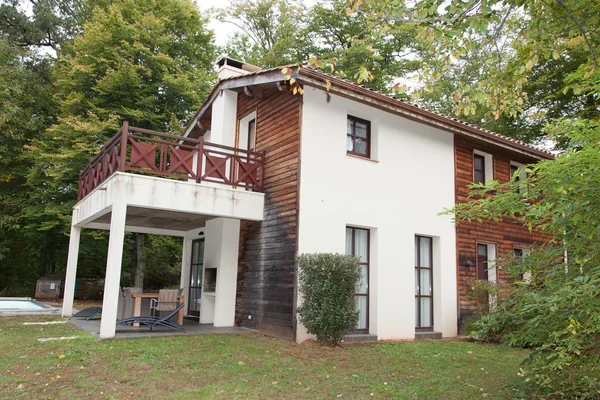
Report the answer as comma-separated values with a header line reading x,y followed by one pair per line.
x,y
140,260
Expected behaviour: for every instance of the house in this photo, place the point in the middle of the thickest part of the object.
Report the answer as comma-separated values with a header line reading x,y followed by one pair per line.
x,y
261,174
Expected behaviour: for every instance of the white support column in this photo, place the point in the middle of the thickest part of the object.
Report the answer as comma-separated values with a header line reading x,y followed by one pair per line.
x,y
113,270
186,258
221,252
69,294
223,118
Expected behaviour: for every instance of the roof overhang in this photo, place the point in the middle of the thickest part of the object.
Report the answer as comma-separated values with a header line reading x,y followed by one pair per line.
x,y
315,78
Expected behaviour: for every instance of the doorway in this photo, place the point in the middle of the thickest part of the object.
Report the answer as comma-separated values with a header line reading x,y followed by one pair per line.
x,y
196,272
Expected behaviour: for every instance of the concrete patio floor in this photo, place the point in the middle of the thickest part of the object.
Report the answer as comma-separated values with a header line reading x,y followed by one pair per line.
x,y
192,327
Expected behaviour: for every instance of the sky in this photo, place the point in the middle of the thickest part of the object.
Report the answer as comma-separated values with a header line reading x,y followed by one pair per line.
x,y
222,29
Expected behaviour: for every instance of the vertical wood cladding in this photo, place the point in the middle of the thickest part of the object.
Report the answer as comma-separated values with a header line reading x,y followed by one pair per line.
x,y
505,234
266,268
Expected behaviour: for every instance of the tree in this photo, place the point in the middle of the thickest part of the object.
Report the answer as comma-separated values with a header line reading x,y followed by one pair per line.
x,y
343,39
43,23
26,109
490,60
272,31
147,62
556,314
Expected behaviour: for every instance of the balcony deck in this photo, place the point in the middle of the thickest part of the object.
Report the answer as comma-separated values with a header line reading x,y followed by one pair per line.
x,y
169,184
146,152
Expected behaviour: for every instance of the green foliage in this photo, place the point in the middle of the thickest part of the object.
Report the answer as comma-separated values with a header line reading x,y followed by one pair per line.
x,y
272,31
42,23
344,41
557,311
145,61
328,283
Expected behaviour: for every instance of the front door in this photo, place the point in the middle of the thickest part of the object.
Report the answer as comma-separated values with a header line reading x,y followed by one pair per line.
x,y
197,267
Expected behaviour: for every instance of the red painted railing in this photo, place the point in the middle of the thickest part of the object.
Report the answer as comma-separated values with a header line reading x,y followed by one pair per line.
x,y
154,153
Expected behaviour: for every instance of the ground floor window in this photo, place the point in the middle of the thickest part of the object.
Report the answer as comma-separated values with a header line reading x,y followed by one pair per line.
x,y
519,253
486,270
357,244
423,283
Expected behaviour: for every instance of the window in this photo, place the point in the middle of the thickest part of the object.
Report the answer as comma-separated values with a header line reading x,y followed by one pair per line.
x,y
518,171
483,166
357,244
358,137
423,283
482,262
514,170
479,168
252,134
486,271
519,253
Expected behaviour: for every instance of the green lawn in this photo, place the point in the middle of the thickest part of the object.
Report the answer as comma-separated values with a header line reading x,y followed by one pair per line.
x,y
247,366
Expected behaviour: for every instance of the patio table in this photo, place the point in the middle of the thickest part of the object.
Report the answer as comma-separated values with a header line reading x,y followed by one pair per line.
x,y
137,310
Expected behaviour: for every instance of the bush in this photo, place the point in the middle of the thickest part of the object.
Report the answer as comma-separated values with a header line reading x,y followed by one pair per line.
x,y
328,283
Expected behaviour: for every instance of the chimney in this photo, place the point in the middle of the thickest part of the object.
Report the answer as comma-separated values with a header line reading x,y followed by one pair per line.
x,y
229,67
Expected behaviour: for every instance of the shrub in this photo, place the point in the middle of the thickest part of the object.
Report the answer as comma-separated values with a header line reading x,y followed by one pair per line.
x,y
328,283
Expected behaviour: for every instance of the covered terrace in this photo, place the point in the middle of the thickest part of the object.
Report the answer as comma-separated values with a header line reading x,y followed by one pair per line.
x,y
152,182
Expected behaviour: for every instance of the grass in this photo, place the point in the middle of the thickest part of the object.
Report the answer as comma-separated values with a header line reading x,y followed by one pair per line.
x,y
244,366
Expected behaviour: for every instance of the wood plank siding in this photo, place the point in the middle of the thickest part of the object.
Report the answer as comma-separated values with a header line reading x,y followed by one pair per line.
x,y
266,268
505,234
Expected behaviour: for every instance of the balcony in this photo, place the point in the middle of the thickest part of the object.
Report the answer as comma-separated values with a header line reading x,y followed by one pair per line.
x,y
146,152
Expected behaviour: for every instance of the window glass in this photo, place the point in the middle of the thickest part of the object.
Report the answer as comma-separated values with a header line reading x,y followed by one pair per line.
x,y
360,146
349,241
479,168
425,252
362,306
425,281
426,311
361,130
361,244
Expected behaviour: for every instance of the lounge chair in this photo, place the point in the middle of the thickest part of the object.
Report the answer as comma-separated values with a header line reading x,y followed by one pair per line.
x,y
88,313
152,321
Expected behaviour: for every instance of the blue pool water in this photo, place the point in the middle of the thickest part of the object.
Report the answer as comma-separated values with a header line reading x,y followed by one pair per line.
x,y
17,305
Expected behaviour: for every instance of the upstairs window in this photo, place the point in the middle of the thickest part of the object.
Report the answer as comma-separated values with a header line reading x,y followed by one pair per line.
x,y
483,166
479,168
358,137
518,171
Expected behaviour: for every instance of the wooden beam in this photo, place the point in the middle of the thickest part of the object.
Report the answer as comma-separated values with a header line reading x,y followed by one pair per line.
x,y
253,92
204,123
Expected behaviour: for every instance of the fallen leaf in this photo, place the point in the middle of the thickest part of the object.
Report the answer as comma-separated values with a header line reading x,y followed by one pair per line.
x,y
61,356
241,363
57,376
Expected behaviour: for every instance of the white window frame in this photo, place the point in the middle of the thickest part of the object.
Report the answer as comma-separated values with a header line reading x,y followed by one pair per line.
x,y
488,165
243,131
525,251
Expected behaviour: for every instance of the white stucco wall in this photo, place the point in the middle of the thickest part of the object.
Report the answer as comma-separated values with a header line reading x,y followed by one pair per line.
x,y
397,197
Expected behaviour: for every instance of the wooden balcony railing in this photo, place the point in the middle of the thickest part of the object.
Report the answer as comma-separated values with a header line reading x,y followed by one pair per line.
x,y
154,153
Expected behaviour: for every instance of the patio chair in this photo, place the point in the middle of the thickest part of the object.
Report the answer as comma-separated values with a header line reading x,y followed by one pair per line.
x,y
167,301
88,313
153,321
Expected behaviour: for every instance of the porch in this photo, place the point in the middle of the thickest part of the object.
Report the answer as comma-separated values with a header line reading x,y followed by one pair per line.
x,y
192,328
150,182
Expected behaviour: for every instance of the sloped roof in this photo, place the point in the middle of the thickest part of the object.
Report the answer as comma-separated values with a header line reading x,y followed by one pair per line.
x,y
313,77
